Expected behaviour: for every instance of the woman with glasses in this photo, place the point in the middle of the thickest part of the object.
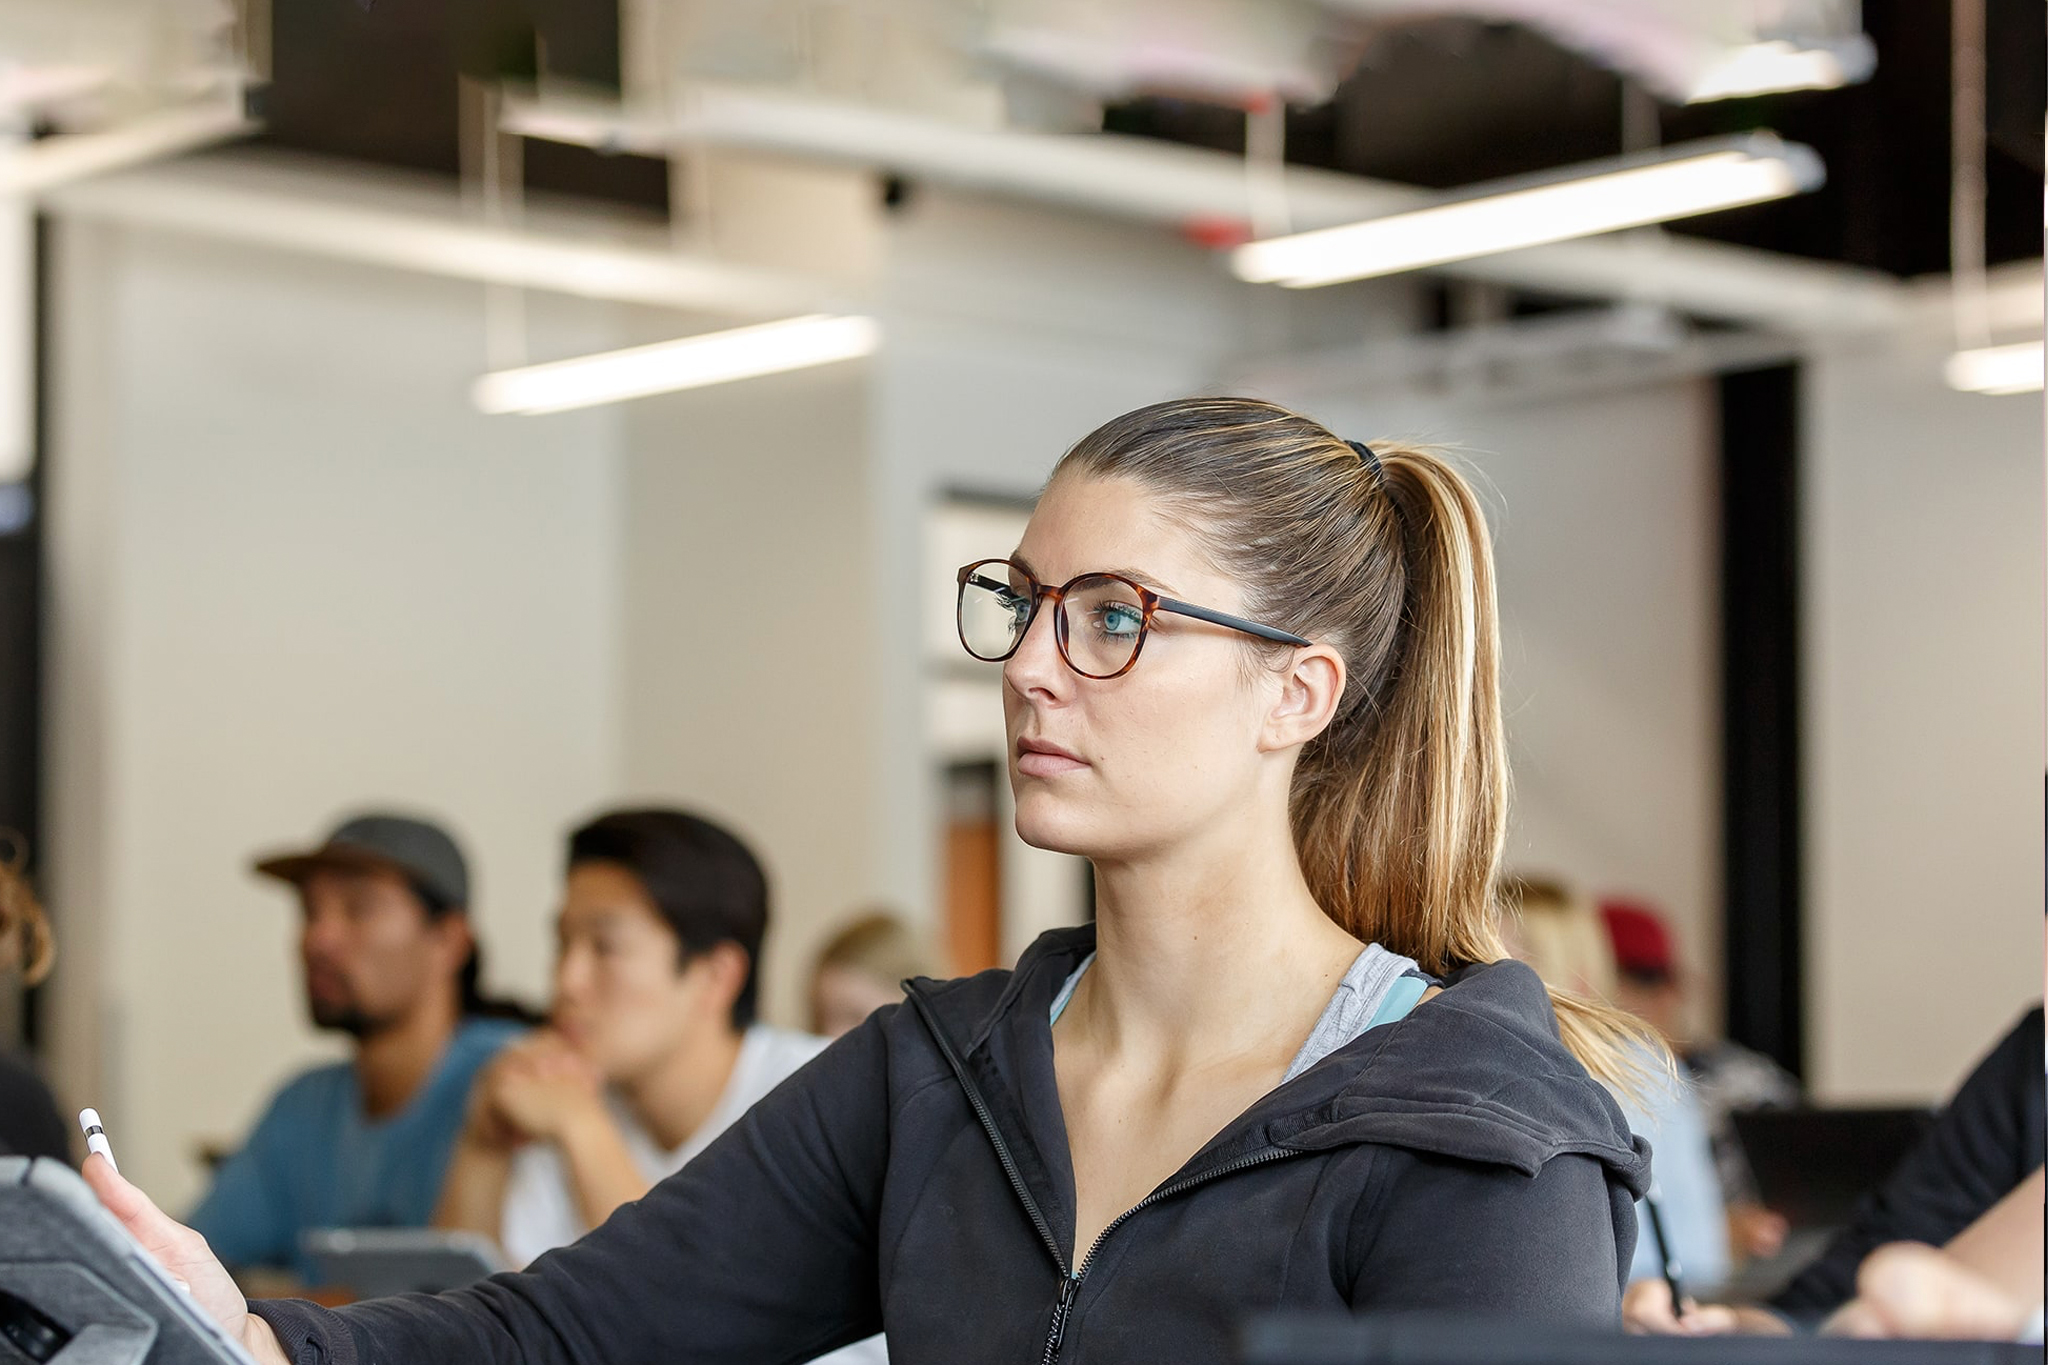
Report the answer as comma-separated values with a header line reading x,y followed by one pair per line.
x,y
1249,672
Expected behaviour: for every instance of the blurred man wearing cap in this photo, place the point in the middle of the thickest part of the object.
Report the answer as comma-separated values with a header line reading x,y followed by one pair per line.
x,y
385,943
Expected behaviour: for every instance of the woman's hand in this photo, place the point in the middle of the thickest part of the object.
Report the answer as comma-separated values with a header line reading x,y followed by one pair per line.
x,y
184,1253
540,1087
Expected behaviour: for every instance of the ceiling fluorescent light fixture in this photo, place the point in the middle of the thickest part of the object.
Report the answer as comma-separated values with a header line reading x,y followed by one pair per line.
x,y
1996,369
689,363
1774,65
1506,215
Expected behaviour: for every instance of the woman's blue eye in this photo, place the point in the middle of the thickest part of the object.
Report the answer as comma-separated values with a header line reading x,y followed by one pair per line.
x,y
1118,619
1018,605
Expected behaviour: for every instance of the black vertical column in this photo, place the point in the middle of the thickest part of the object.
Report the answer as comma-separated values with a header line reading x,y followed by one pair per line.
x,y
21,635
1761,859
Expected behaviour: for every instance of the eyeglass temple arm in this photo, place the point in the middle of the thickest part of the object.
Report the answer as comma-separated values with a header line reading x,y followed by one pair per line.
x,y
1219,618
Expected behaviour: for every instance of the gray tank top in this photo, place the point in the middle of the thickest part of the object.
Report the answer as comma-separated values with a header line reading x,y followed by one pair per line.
x,y
1380,988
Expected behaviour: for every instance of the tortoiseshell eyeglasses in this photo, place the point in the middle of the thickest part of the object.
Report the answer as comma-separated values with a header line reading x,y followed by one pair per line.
x,y
1100,623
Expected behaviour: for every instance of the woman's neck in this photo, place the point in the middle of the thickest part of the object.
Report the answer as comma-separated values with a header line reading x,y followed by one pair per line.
x,y
1208,955
674,1098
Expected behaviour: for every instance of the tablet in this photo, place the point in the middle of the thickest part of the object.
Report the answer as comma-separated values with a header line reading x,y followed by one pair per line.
x,y
76,1289
374,1262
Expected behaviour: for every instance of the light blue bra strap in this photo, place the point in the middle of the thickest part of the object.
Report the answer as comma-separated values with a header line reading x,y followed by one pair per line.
x,y
1059,1002
1399,999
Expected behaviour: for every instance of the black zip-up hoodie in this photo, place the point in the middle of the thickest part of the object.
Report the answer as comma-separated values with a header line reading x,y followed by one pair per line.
x,y
914,1178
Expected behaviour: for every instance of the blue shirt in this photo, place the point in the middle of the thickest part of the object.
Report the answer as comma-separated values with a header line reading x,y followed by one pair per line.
x,y
316,1160
1669,1114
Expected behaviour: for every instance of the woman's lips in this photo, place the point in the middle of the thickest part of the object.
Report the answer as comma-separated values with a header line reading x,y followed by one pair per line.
x,y
1045,760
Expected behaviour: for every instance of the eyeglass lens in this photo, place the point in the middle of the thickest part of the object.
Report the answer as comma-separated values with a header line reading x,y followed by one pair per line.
x,y
1103,618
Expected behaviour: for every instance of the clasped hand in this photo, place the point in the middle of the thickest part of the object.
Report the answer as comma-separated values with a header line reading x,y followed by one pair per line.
x,y
535,1090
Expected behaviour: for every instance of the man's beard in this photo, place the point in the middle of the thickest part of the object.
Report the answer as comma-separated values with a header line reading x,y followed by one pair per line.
x,y
345,1017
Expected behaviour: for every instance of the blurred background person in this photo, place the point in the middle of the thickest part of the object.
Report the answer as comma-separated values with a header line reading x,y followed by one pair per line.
x,y
653,1047
1985,1284
1980,1164
861,968
30,1124
1725,1076
1558,932
389,960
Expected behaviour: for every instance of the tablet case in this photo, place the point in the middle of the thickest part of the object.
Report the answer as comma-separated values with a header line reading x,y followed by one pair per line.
x,y
76,1289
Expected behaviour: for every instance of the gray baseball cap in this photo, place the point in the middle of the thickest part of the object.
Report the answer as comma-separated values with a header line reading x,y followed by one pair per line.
x,y
418,850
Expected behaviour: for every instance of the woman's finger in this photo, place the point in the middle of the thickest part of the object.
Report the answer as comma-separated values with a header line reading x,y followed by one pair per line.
x,y
147,1223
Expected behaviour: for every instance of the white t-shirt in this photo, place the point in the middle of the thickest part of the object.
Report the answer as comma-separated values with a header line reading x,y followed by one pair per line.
x,y
540,1211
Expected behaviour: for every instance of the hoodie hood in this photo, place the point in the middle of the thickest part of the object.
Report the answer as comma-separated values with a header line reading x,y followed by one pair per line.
x,y
1478,1073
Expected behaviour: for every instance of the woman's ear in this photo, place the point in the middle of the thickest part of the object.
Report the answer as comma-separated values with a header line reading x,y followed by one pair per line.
x,y
1310,687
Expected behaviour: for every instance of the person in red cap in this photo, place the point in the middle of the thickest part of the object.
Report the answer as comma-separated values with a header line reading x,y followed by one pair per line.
x,y
1726,1076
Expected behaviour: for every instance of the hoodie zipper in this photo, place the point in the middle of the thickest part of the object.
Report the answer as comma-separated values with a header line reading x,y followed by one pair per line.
x,y
1070,1283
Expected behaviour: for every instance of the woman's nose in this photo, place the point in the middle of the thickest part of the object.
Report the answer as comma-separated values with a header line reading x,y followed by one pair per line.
x,y
1036,669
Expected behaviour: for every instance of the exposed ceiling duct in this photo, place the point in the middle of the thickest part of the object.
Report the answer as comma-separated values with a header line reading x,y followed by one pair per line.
x,y
1202,193
1682,50
927,54
110,83
87,65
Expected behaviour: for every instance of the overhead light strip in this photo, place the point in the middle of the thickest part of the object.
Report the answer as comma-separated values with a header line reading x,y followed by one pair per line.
x,y
1774,65
33,168
688,363
1996,369
1583,201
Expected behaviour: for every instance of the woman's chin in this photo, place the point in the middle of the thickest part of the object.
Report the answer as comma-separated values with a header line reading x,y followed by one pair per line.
x,y
1041,823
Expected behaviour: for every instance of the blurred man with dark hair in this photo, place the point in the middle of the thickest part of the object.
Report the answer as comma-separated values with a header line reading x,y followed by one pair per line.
x,y
653,1047
389,960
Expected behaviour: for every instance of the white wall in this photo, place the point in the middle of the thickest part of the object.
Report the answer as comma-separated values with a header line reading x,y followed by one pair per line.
x,y
1923,605
749,638
293,574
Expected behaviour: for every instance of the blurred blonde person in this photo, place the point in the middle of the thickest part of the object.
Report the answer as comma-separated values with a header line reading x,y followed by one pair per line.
x,y
1552,929
1559,933
1972,1187
30,1124
861,968
1984,1285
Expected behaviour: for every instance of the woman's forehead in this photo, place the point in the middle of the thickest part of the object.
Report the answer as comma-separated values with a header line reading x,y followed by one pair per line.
x,y
1091,525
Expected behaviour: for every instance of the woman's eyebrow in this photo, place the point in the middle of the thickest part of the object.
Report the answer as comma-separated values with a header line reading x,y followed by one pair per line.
x,y
1152,581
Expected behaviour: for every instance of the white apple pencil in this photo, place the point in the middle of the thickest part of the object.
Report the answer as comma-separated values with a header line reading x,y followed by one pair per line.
x,y
96,1137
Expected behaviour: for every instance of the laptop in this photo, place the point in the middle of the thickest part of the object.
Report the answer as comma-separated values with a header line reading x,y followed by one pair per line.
x,y
1404,1339
374,1262
1814,1165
